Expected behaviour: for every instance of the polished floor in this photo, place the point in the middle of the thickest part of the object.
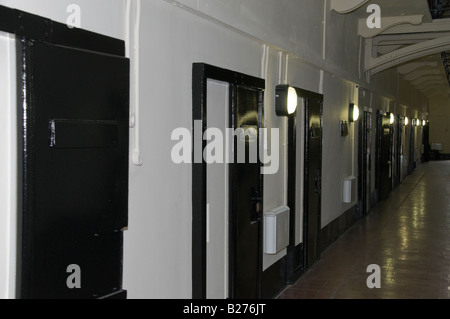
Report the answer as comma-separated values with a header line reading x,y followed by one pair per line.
x,y
408,236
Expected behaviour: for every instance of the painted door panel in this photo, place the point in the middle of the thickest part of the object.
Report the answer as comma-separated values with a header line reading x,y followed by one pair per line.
x,y
384,158
75,173
365,144
247,202
314,179
245,113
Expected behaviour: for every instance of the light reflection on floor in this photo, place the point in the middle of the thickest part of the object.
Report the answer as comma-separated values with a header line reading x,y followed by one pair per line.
x,y
407,236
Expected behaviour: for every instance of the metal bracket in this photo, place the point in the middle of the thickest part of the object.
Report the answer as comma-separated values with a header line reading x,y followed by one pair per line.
x,y
386,23
376,65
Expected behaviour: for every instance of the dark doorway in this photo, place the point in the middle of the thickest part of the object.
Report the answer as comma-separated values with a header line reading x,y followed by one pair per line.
x,y
392,154
365,160
398,150
313,179
246,198
412,148
426,142
246,102
384,156
74,147
305,141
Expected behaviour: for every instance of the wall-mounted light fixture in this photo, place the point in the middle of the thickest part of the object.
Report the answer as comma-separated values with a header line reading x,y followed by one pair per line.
x,y
344,128
406,121
392,118
354,112
286,100
424,123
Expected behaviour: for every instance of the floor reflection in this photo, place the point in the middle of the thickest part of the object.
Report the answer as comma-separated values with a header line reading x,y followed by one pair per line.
x,y
407,236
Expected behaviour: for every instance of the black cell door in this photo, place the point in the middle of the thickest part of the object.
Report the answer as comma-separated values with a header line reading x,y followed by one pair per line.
x,y
313,179
426,143
246,100
398,150
75,107
384,156
246,190
412,149
365,152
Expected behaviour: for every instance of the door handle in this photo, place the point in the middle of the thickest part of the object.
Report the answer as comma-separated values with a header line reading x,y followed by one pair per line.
x,y
256,203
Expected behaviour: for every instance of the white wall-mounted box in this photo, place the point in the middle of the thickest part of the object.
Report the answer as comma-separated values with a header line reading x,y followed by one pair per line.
x,y
276,230
349,190
437,147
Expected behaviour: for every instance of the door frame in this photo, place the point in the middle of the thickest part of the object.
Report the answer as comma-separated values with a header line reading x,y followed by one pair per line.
x,y
378,138
306,261
398,150
296,262
30,28
412,148
380,115
201,73
33,27
392,155
364,167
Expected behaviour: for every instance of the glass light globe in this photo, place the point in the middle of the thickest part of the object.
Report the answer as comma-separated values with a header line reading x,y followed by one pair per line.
x,y
292,100
355,113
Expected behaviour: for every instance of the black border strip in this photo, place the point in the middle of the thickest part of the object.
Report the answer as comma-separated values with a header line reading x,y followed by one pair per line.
x,y
26,155
41,29
201,72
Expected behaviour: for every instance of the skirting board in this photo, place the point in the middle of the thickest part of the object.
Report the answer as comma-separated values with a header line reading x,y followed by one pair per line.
x,y
336,228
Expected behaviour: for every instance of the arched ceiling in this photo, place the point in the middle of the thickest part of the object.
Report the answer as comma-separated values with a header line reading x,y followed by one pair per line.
x,y
414,39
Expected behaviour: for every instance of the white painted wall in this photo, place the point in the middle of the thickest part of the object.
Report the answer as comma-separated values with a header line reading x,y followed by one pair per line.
x,y
157,261
339,158
8,168
439,121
